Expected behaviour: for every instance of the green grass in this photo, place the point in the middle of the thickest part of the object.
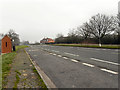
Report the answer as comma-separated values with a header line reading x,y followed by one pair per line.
x,y
17,72
20,47
17,80
6,65
42,84
90,45
7,60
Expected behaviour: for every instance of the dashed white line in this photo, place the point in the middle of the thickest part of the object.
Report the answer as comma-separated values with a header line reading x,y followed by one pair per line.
x,y
59,56
54,54
103,49
74,60
98,49
88,64
55,51
65,57
113,72
71,54
117,50
104,61
50,53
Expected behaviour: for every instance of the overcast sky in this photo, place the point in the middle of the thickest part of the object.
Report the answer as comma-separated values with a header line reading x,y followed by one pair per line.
x,y
36,19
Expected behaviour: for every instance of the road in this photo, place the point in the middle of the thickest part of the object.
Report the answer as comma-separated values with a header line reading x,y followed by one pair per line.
x,y
77,67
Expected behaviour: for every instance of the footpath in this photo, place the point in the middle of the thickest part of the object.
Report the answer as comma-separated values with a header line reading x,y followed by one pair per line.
x,y
23,74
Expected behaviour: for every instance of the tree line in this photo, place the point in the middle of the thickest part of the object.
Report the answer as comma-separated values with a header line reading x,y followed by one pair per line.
x,y
100,29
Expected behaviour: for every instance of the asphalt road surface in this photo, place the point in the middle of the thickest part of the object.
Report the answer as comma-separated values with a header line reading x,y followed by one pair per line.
x,y
77,67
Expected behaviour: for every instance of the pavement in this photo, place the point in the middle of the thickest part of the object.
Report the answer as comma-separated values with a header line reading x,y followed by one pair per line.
x,y
21,74
77,67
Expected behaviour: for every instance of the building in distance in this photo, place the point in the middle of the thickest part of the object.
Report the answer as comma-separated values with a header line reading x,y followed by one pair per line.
x,y
47,41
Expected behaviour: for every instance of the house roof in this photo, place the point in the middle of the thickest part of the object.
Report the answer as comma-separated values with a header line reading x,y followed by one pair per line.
x,y
5,35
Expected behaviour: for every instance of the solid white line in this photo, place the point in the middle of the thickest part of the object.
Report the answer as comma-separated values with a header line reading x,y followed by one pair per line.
x,y
59,56
113,72
65,57
104,61
88,64
74,60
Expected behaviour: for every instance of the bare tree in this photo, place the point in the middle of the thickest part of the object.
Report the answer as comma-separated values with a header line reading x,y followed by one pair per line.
x,y
14,36
100,25
83,31
59,35
72,32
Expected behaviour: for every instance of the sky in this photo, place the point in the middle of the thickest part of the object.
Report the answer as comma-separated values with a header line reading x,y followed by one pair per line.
x,y
36,19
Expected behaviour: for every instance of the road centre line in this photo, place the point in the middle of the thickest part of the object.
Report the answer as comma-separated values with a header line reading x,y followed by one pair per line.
x,y
65,57
50,53
74,60
71,54
104,61
54,54
106,70
59,56
90,65
55,51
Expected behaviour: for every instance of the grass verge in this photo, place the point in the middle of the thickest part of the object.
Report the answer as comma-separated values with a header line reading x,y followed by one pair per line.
x,y
7,60
90,46
42,84
17,78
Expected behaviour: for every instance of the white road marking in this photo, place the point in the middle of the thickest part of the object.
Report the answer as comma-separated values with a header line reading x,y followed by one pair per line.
x,y
104,61
65,57
35,50
85,48
90,65
59,56
71,54
113,72
117,50
50,53
103,49
54,54
98,49
55,51
74,60
34,55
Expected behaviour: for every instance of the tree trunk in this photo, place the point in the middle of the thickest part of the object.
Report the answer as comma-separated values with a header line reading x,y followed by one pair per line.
x,y
100,42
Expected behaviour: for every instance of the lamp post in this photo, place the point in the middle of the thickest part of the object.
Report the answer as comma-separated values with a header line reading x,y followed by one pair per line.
x,y
14,45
